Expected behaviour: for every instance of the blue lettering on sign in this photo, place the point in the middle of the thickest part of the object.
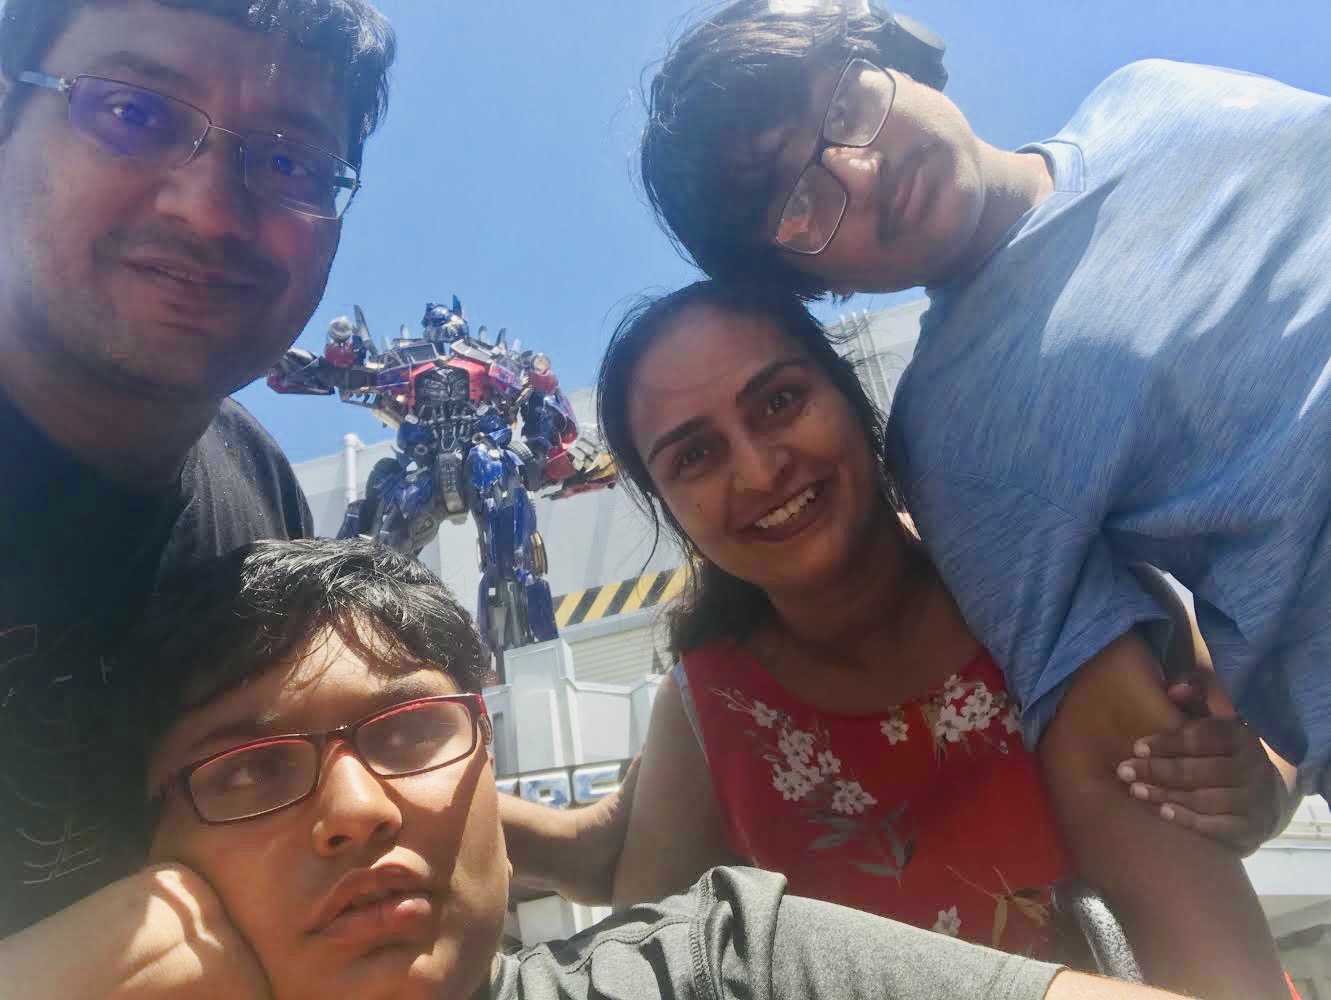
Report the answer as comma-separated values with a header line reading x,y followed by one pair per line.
x,y
565,787
550,789
592,783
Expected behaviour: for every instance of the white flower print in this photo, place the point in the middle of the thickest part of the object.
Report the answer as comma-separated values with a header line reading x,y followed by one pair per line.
x,y
796,744
953,688
763,715
793,784
850,798
1012,718
950,725
979,708
948,922
829,763
895,729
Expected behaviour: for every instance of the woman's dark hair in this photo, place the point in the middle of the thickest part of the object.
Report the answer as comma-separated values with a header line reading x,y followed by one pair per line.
x,y
716,604
741,72
213,626
351,35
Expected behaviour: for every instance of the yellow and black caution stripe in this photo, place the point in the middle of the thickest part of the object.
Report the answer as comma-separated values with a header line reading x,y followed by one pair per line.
x,y
644,591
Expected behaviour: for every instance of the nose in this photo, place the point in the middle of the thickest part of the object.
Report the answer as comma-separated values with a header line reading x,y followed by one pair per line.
x,y
354,806
208,194
758,465
857,169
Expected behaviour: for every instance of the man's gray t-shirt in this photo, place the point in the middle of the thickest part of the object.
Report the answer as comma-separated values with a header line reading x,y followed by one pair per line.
x,y
1141,372
737,934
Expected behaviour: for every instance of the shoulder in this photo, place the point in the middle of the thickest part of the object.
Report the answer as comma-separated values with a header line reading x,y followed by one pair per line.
x,y
1147,78
717,654
1151,93
239,487
236,426
678,941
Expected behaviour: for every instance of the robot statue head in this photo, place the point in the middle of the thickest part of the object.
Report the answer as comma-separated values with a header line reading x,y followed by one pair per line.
x,y
344,348
444,325
340,330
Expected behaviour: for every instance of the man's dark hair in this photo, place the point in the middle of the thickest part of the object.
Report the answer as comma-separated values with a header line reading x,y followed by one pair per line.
x,y
213,626
351,35
741,72
715,604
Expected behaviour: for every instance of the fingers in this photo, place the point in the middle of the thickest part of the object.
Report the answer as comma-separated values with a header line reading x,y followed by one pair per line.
x,y
1206,801
1188,694
1183,773
1228,829
1196,738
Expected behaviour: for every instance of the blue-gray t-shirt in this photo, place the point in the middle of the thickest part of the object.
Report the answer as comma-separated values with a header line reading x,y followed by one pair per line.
x,y
1140,373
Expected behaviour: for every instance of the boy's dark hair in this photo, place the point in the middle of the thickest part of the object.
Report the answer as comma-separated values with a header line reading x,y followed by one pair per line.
x,y
716,604
217,624
351,35
741,72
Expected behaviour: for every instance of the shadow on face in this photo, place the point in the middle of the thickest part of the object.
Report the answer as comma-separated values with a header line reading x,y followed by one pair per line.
x,y
370,886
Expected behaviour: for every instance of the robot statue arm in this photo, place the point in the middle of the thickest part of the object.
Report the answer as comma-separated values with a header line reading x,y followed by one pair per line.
x,y
570,457
581,465
301,373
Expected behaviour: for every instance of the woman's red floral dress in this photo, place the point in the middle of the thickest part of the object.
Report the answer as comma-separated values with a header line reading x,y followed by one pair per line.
x,y
933,813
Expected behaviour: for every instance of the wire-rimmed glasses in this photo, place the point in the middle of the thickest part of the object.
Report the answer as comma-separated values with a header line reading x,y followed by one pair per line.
x,y
163,132
859,106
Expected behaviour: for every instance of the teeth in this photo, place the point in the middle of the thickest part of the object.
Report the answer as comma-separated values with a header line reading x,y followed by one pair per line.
x,y
783,514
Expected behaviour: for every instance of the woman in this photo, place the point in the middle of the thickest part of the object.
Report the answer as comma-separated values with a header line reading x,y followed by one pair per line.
x,y
833,717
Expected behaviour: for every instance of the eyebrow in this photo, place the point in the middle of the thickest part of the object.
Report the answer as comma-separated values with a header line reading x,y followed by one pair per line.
x,y
283,119
393,692
750,389
145,67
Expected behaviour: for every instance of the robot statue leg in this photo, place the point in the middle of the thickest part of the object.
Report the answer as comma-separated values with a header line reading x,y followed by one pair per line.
x,y
490,612
540,609
351,520
529,558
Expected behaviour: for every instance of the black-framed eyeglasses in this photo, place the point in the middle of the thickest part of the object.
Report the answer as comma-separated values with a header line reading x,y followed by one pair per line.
x,y
162,133
860,104
263,776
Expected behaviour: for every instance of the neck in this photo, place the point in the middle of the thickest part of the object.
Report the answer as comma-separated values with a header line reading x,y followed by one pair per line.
x,y
129,433
1014,183
887,601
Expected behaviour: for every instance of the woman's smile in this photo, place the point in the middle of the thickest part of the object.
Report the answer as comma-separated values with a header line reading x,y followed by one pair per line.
x,y
794,516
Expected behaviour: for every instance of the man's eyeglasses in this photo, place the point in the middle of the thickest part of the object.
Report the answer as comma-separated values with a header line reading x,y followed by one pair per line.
x,y
261,777
855,115
163,133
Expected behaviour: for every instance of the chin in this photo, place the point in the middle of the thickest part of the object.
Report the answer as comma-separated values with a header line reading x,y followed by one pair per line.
x,y
390,973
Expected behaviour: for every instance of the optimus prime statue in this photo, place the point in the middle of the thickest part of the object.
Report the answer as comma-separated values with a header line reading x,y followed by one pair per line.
x,y
454,400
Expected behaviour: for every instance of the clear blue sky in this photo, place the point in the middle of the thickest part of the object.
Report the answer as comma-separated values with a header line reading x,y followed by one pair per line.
x,y
505,171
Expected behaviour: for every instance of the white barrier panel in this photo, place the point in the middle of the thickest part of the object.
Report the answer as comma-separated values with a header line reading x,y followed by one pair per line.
x,y
566,787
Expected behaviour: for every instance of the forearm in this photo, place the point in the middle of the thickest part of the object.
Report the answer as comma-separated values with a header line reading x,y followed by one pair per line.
x,y
569,851
140,938
1078,986
1184,901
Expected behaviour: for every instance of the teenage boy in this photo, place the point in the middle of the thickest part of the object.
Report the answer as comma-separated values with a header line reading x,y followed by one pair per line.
x,y
317,752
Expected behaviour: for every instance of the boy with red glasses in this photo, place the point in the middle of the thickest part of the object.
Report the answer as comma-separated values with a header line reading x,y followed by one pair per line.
x,y
325,823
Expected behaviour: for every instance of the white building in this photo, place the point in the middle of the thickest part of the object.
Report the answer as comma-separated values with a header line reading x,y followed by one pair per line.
x,y
567,710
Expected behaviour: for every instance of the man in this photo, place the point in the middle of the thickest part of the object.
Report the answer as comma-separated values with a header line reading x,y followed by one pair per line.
x,y
172,176
321,761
